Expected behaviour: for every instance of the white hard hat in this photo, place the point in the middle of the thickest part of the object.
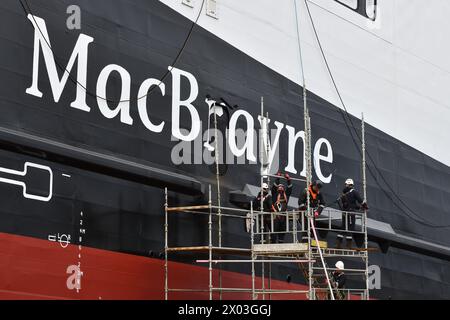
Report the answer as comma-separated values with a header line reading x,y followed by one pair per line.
x,y
349,181
265,186
339,265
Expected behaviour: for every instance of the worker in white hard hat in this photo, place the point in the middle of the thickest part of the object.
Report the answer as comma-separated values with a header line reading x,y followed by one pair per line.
x,y
349,202
338,281
339,265
265,198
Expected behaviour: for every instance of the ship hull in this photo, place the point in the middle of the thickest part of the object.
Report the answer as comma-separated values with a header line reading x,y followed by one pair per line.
x,y
37,269
111,175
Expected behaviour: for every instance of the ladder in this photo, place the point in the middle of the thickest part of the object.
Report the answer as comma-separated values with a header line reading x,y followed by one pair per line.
x,y
319,280
304,269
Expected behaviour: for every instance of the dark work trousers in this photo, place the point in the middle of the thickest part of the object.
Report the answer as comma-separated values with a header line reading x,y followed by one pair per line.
x,y
267,229
339,294
279,226
351,224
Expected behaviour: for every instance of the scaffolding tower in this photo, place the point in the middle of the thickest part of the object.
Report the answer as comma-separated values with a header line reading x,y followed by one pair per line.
x,y
310,256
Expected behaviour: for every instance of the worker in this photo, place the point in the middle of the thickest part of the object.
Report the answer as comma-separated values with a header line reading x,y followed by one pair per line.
x,y
280,200
316,201
266,200
349,202
338,281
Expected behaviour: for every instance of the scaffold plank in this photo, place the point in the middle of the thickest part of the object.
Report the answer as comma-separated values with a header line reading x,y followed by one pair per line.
x,y
176,209
323,244
280,248
216,250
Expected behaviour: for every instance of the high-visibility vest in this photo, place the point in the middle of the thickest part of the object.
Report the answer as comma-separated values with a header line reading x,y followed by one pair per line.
x,y
313,194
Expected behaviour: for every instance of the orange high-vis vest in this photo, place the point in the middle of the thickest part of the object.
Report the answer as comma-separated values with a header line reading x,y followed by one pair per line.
x,y
312,193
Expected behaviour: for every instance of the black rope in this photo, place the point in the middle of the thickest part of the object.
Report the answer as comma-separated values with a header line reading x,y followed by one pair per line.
x,y
418,218
75,81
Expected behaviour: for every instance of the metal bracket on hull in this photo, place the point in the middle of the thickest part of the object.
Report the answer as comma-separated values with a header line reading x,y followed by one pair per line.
x,y
19,176
99,162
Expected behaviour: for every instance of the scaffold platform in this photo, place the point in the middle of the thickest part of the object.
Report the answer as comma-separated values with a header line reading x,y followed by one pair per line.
x,y
309,255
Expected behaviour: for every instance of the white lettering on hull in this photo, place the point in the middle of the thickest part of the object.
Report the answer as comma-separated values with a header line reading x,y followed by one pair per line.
x,y
246,141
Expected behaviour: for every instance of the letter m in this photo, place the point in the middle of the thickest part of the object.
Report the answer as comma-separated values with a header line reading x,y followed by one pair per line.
x,y
80,52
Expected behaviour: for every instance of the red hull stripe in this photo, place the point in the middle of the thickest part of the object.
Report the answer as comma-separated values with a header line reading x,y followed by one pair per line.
x,y
32,268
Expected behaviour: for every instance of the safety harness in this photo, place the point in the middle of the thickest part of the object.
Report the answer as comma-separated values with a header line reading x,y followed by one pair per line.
x,y
277,206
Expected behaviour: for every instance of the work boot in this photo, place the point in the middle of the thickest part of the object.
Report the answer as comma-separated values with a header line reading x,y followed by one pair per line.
x,y
349,243
272,239
340,237
339,243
